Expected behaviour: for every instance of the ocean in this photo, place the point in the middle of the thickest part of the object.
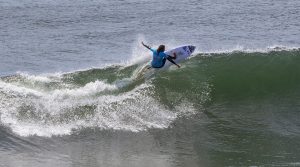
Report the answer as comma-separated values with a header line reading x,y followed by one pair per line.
x,y
71,92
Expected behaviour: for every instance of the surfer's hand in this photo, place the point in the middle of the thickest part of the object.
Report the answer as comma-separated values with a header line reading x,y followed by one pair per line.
x,y
178,66
174,55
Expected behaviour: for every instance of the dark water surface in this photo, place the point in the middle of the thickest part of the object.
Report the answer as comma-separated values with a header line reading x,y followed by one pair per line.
x,y
71,92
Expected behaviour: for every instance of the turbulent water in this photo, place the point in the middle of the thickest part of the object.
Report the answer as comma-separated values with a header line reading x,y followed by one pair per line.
x,y
73,92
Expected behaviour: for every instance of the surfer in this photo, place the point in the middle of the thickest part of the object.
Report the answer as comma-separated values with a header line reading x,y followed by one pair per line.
x,y
159,57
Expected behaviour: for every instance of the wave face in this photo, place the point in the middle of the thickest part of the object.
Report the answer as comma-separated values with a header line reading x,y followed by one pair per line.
x,y
116,97
242,76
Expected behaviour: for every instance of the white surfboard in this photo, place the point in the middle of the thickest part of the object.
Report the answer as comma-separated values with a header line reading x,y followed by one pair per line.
x,y
182,53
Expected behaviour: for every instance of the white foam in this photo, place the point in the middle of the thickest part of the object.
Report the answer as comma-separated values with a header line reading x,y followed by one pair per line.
x,y
139,55
43,77
89,89
18,90
30,129
133,111
39,78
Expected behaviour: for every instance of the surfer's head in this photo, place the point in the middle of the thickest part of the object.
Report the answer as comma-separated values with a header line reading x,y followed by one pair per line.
x,y
161,48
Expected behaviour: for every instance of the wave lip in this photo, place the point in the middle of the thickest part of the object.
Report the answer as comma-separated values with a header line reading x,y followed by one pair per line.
x,y
240,48
88,89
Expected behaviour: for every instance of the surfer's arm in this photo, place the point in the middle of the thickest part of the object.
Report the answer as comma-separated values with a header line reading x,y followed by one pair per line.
x,y
171,60
173,57
148,47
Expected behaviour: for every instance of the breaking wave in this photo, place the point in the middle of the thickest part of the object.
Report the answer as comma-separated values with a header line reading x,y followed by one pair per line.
x,y
117,98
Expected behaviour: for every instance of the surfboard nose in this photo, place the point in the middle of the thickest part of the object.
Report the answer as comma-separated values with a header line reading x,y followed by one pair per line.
x,y
192,48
